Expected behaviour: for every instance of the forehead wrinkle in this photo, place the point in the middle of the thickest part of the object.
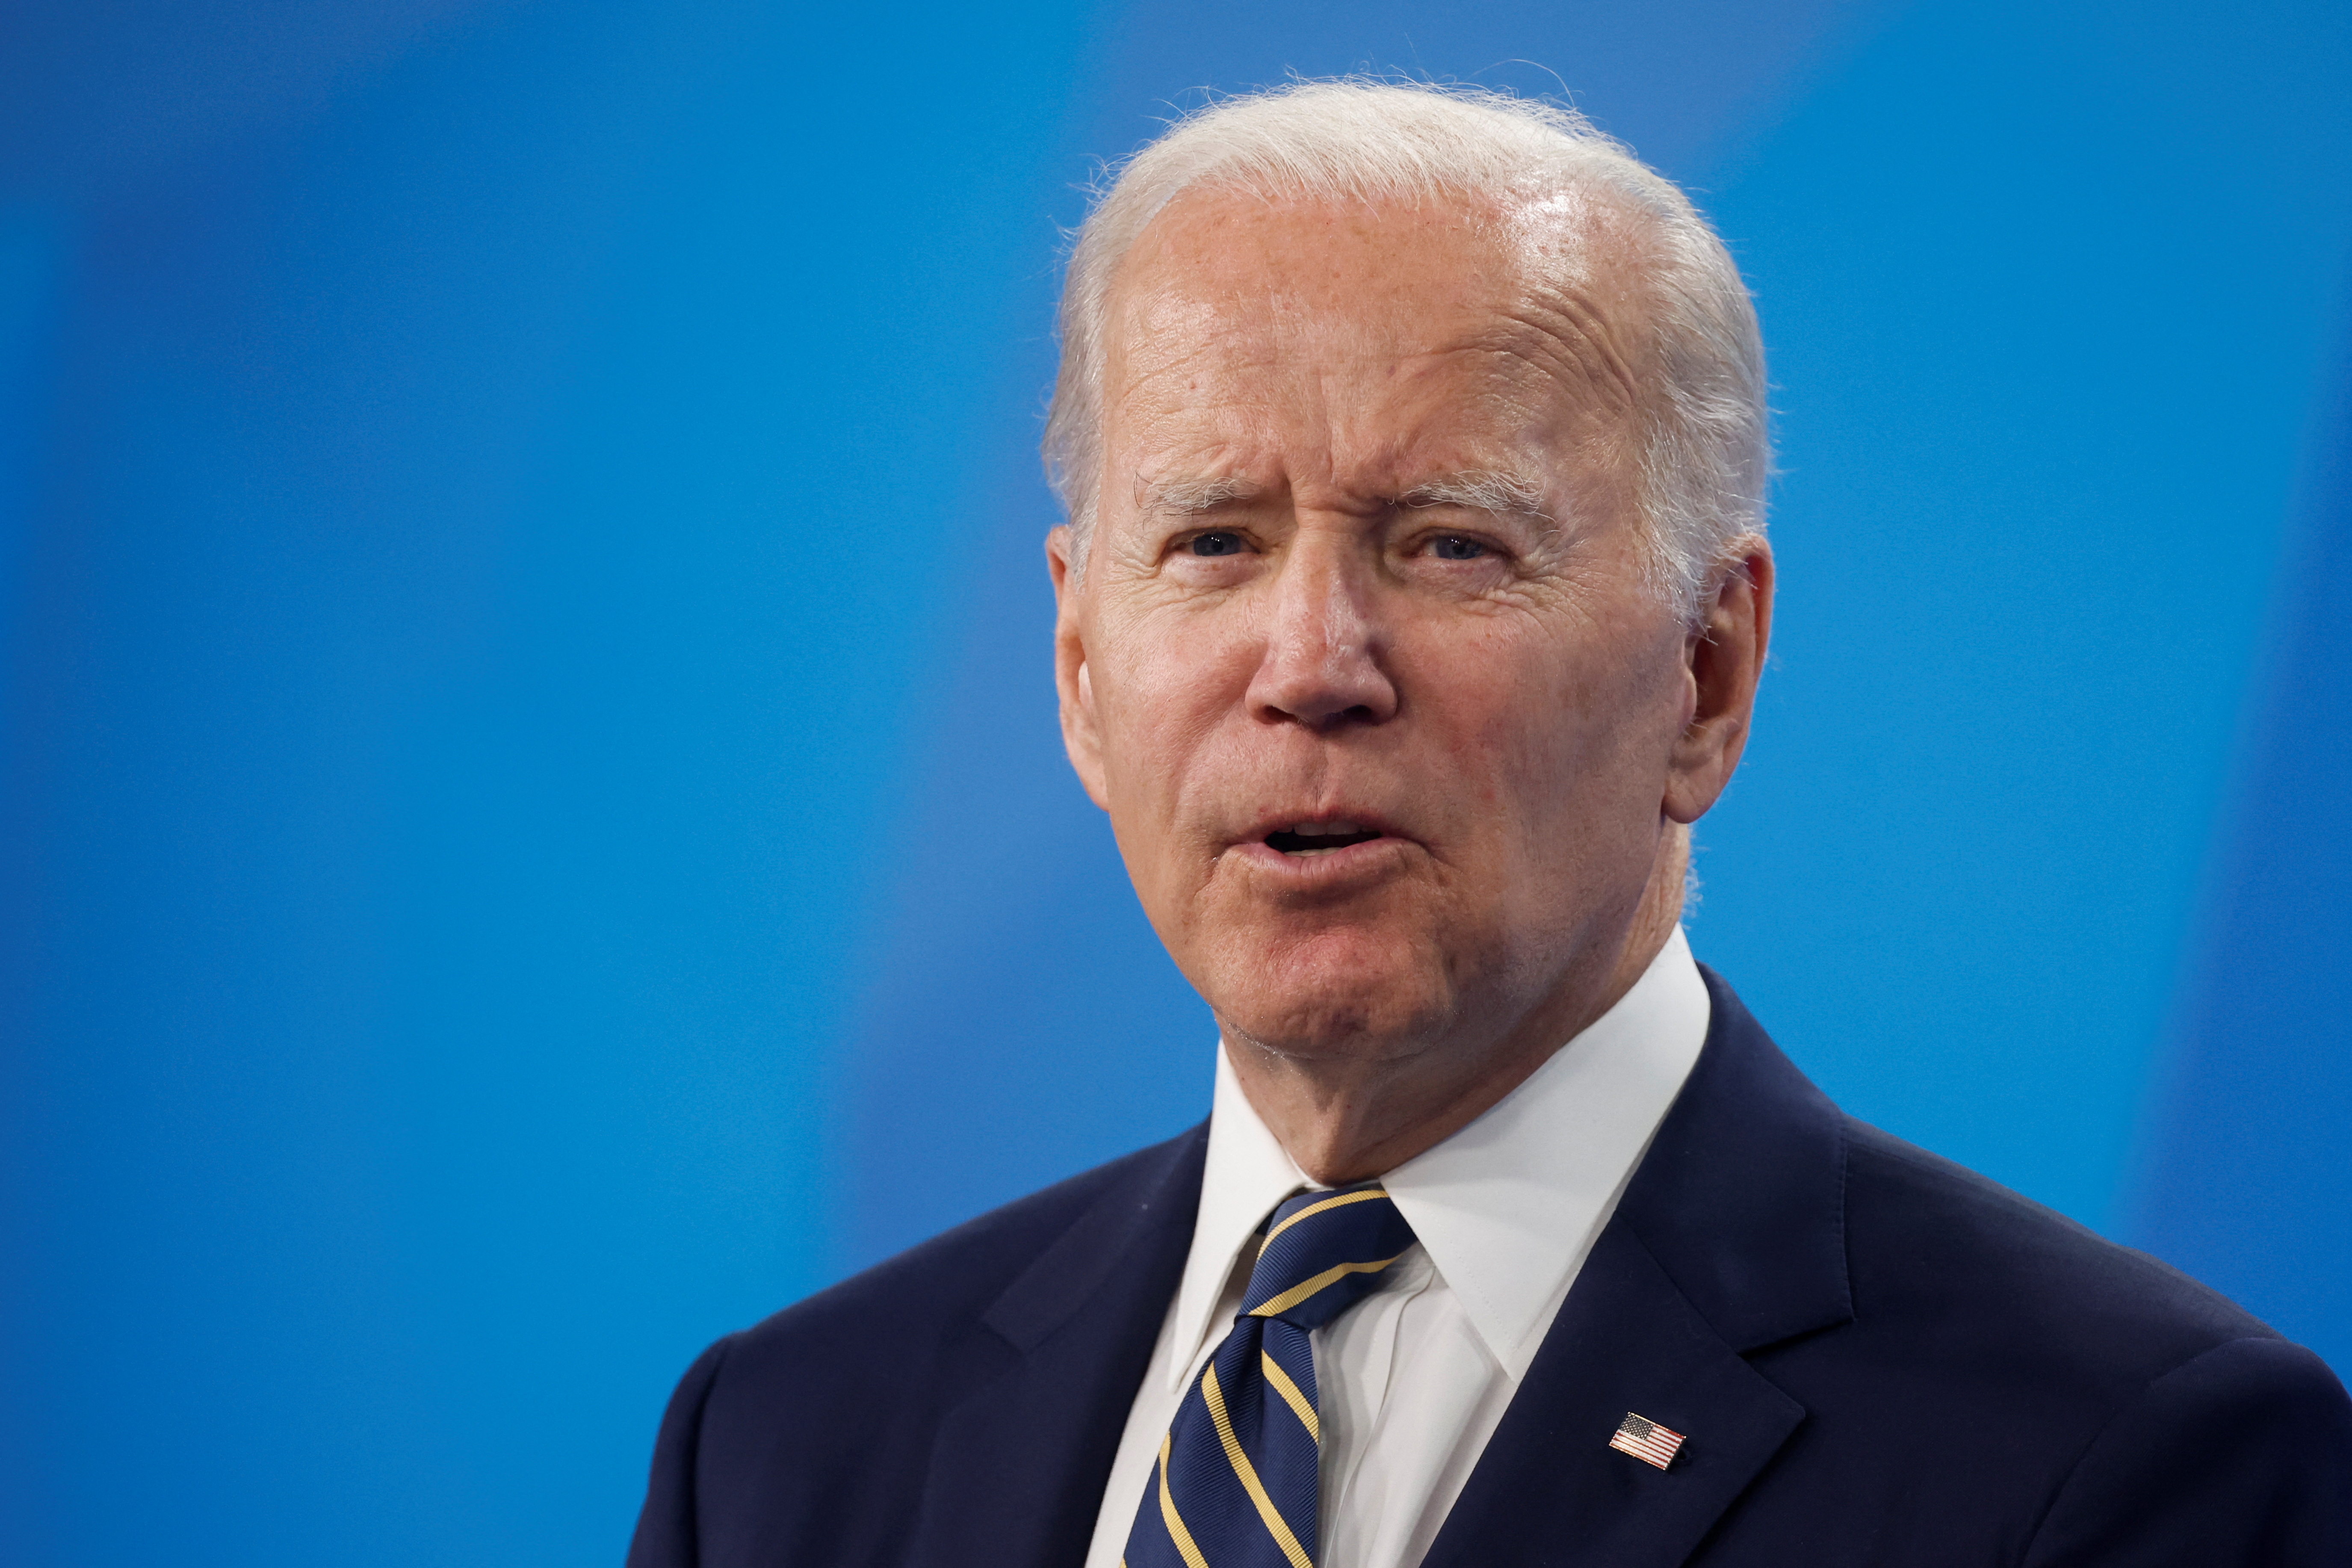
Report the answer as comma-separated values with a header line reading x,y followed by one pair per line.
x,y
1574,349
1565,300
1192,356
1136,374
1587,263
1461,408
1512,378
1439,421
1194,435
1170,390
1171,328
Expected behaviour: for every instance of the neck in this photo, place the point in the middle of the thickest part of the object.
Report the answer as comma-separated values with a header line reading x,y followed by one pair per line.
x,y
1350,1119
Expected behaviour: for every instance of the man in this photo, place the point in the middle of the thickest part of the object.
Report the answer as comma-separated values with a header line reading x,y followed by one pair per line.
x,y
1411,604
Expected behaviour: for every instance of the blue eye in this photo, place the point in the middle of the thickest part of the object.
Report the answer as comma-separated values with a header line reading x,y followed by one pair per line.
x,y
1217,544
1453,547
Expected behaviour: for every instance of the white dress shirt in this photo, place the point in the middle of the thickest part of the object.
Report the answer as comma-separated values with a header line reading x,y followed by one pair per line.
x,y
1413,1379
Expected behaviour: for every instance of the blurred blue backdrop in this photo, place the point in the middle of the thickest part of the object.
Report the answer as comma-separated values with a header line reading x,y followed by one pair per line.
x,y
532,830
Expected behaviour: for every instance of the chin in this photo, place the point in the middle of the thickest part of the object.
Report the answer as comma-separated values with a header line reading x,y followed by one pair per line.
x,y
1336,995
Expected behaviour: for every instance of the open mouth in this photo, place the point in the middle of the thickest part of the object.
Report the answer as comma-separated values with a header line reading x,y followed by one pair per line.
x,y
1318,837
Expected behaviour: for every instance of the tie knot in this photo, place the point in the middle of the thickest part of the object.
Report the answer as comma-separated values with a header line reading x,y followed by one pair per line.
x,y
1324,1252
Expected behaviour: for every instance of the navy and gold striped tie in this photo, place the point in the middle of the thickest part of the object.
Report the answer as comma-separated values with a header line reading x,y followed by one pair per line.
x,y
1235,1484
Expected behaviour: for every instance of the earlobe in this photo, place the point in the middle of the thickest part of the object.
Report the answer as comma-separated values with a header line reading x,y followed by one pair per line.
x,y
1080,736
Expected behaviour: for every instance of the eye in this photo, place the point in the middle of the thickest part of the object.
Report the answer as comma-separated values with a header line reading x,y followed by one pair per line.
x,y
1215,545
1453,547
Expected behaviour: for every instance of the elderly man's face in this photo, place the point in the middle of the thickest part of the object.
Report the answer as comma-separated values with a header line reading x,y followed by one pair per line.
x,y
1363,660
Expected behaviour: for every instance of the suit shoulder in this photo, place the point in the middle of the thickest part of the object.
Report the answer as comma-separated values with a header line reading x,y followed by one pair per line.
x,y
2007,1387
1929,1239
951,1279
803,1437
2242,1455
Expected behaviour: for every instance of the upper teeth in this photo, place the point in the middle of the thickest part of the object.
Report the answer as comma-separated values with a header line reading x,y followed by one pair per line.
x,y
1323,829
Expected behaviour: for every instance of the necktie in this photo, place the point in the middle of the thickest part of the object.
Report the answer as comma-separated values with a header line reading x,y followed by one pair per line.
x,y
1236,1486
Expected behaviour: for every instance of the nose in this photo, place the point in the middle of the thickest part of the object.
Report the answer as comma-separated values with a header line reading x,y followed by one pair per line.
x,y
1323,665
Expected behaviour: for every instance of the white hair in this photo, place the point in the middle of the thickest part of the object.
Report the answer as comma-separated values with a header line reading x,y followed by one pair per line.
x,y
1706,450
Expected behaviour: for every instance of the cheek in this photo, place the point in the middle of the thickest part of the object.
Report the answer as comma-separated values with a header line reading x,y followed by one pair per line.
x,y
1160,701
1571,735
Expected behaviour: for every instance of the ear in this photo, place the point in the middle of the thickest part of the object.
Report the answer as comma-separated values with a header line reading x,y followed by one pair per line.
x,y
1723,661
1080,736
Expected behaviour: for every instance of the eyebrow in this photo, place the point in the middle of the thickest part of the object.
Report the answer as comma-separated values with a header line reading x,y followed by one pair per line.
x,y
1475,490
1480,489
1182,498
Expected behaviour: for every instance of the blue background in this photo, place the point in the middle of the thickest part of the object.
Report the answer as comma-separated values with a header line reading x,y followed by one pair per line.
x,y
531,831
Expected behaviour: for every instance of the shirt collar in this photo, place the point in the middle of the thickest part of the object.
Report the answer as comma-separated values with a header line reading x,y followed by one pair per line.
x,y
1507,1208
1247,1173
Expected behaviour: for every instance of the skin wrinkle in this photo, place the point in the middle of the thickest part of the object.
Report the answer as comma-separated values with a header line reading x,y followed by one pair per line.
x,y
1528,723
1578,337
1563,316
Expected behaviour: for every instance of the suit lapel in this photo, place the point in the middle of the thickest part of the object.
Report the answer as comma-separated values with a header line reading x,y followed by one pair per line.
x,y
1731,1238
1550,1489
1020,1462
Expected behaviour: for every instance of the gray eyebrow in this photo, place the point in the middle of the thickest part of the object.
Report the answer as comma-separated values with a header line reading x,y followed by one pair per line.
x,y
1477,489
1185,496
1480,489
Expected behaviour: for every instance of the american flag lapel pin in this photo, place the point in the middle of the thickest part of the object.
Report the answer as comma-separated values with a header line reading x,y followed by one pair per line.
x,y
1646,1440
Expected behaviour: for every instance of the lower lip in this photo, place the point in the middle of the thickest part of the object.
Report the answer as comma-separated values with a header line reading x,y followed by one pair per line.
x,y
1321,865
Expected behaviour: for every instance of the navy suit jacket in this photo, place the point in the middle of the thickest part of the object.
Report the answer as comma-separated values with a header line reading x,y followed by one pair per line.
x,y
1877,1357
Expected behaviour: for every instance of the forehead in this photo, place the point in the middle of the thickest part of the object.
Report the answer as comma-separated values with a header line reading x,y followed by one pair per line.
x,y
1242,329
